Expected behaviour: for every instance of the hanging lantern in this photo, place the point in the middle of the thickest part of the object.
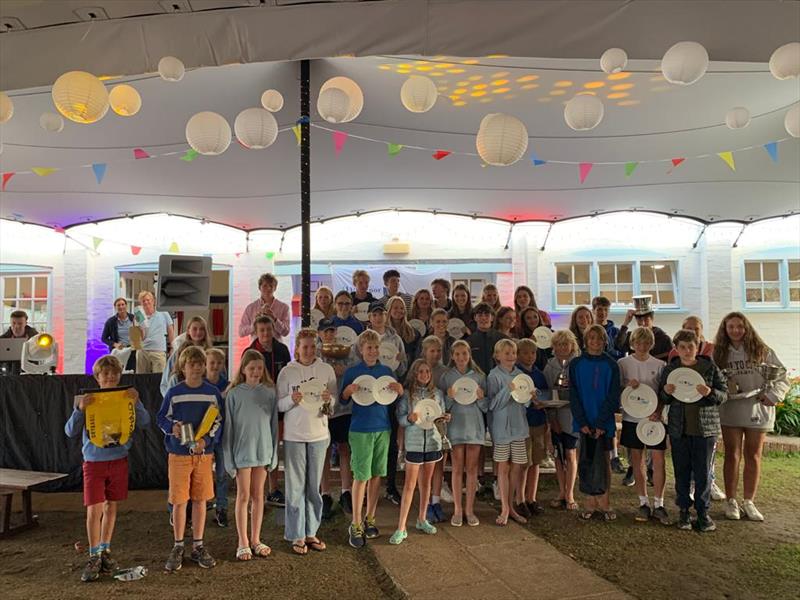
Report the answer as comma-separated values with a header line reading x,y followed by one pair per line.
x,y
502,139
255,128
6,107
333,105
584,112
51,122
354,93
80,96
684,63
792,121
785,61
272,100
418,94
171,69
737,118
125,100
613,60
208,133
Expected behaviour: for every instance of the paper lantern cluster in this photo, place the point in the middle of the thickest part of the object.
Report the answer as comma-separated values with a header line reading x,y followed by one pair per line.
x,y
51,122
613,60
255,128
684,63
785,61
340,100
583,112
125,100
272,100
208,133
6,107
737,118
418,94
502,139
171,69
80,97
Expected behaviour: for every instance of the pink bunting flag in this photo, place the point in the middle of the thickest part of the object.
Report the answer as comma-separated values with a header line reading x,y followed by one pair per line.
x,y
58,229
6,178
139,153
583,170
135,250
339,140
440,154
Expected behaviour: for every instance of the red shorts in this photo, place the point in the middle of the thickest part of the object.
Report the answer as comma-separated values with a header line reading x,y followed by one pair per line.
x,y
105,480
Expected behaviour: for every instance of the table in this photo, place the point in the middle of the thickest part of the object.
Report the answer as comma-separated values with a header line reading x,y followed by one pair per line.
x,y
14,480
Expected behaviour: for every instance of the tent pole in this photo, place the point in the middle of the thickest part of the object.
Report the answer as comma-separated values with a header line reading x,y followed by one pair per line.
x,y
305,189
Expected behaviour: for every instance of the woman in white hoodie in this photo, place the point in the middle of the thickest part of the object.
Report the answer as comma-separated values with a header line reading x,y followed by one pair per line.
x,y
305,440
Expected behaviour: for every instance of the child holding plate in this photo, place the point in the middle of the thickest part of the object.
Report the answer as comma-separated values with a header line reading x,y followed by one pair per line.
x,y
423,444
636,370
306,387
693,387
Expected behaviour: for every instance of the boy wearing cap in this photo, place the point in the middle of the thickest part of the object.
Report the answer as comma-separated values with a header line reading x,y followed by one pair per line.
x,y
644,315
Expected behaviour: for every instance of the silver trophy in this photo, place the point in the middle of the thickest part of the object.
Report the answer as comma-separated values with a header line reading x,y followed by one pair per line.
x,y
441,427
770,374
187,435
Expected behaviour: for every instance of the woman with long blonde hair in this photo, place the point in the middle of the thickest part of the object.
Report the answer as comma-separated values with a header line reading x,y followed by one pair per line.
x,y
422,305
196,335
323,301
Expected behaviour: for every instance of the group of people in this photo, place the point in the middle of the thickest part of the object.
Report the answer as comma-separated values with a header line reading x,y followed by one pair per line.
x,y
306,399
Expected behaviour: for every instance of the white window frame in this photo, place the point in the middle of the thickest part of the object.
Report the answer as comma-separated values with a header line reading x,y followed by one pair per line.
x,y
783,284
658,287
616,286
791,284
33,274
572,287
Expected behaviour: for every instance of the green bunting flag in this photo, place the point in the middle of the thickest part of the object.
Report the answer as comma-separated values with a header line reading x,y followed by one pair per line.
x,y
630,168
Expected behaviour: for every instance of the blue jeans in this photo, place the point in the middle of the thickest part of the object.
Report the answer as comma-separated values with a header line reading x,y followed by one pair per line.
x,y
220,481
691,459
303,463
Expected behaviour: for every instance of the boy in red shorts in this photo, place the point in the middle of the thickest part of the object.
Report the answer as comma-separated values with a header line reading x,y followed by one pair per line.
x,y
105,471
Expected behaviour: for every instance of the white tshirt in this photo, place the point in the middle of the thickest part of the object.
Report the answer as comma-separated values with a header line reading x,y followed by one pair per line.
x,y
647,372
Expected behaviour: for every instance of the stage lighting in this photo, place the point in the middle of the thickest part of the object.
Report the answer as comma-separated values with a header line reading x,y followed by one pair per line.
x,y
39,354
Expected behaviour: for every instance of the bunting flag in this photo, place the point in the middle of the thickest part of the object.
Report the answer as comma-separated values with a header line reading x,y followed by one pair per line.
x,y
393,149
727,156
772,150
43,171
339,140
190,155
630,168
584,169
96,241
304,119
536,160
675,163
139,153
237,254
135,250
58,229
269,255
297,134
99,171
440,154
173,247
6,178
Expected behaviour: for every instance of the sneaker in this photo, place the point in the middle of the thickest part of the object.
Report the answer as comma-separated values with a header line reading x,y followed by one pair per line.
x,y
643,514
522,510
446,494
203,559
617,466
370,529
355,535
685,520
716,492
732,510
398,537
175,559
629,478
705,524
660,514
496,490
426,527
534,508
91,572
327,506
276,498
437,510
107,562
751,511
430,514
221,518
393,496
346,502
548,463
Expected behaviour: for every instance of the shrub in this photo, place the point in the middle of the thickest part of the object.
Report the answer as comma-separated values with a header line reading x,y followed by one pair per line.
x,y
787,412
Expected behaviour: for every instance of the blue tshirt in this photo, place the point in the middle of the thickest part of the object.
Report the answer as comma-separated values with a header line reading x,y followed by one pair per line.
x,y
372,418
350,322
536,416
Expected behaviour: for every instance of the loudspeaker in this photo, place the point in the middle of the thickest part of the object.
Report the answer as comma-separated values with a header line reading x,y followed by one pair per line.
x,y
184,282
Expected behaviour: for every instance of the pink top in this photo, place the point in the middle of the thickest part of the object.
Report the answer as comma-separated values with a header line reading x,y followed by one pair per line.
x,y
280,312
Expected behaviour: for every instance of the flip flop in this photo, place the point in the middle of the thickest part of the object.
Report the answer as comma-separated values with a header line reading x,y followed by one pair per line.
x,y
609,515
586,515
316,544
261,550
519,519
502,522
244,554
558,503
300,548
571,506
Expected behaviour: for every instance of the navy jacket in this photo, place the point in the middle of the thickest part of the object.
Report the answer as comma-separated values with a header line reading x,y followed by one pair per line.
x,y
111,332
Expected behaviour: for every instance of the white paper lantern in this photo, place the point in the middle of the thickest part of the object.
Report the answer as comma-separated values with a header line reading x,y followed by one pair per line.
x,y
333,105
502,139
785,61
208,133
792,121
737,118
584,112
272,100
418,94
80,96
354,93
255,128
6,107
51,122
125,100
684,63
171,69
613,60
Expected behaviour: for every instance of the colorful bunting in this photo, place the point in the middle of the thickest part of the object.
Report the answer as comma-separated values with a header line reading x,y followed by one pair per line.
x,y
237,254
393,149
96,241
630,168
584,169
43,171
6,178
772,150
269,255
58,229
190,155
139,153
297,134
675,163
536,160
440,154
135,250
99,171
727,156
173,247
339,140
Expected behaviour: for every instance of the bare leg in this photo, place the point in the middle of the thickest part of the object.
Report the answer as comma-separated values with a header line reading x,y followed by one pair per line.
x,y
198,519
109,520
94,515
732,439
359,490
408,495
257,477
532,483
456,477
438,476
373,493
424,482
473,455
515,487
659,473
179,520
753,445
637,463
502,482
571,475
562,479
243,477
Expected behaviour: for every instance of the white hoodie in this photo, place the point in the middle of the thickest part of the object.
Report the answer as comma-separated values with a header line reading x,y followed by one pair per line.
x,y
300,425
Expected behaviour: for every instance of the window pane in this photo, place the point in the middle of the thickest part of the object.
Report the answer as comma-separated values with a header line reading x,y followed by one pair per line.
x,y
564,298
582,297
794,270
752,271
26,305
667,297
794,295
581,273
646,274
9,287
39,312
563,273
772,294
753,294
610,293
41,287
606,273
624,297
26,287
625,273
771,271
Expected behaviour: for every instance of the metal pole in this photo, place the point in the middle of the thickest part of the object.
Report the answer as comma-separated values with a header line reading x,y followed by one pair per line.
x,y
305,189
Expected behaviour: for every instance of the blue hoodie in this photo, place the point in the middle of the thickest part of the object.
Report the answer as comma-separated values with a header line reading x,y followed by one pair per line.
x,y
536,416
594,391
468,424
350,322
508,422
612,331
189,405
372,418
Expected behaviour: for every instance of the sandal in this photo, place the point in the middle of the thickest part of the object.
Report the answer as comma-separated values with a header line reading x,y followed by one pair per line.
x,y
316,544
261,550
558,503
609,515
300,548
586,515
501,521
519,519
244,554
571,506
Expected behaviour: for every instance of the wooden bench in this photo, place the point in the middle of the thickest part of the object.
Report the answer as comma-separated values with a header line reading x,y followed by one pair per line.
x,y
13,480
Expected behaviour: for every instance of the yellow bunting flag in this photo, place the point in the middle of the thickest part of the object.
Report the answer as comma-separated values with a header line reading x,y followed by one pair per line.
x,y
728,158
96,241
296,131
173,247
43,171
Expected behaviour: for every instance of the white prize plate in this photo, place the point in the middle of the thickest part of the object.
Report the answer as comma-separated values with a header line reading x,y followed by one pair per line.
x,y
312,395
465,391
316,316
382,392
428,411
686,381
361,311
650,433
639,402
387,355
418,326
346,336
543,337
456,328
523,388
364,395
